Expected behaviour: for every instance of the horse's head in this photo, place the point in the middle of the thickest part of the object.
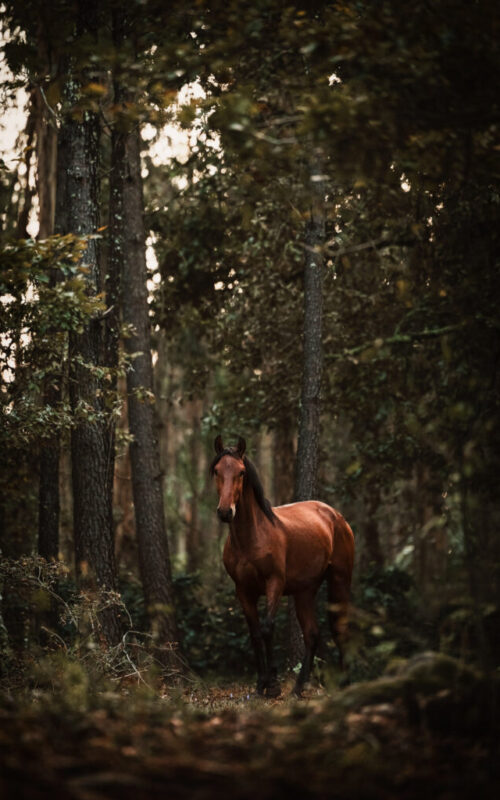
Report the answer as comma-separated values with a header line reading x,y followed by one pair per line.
x,y
228,469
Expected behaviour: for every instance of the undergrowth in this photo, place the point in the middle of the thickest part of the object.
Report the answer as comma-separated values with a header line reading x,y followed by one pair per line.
x,y
50,636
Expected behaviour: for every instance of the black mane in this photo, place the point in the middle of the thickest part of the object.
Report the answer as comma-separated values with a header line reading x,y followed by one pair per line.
x,y
251,478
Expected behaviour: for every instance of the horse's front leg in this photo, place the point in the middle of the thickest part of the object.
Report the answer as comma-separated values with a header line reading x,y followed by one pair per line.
x,y
274,593
249,607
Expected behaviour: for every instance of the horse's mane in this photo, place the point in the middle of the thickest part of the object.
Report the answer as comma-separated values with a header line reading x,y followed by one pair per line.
x,y
251,478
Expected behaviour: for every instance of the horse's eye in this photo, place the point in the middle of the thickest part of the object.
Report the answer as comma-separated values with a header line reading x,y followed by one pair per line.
x,y
242,473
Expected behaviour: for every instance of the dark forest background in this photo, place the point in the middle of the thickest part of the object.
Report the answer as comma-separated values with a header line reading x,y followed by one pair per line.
x,y
317,271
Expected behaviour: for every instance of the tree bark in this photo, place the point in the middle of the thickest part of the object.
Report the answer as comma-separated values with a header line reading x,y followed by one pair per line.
x,y
92,440
46,167
194,549
92,446
125,538
154,556
371,554
472,565
28,189
312,362
48,496
48,493
283,459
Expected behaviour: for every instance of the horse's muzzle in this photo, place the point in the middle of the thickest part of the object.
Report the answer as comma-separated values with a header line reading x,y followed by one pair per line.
x,y
225,514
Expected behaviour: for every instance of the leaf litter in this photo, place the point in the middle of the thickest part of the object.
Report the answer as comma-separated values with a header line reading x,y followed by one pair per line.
x,y
401,736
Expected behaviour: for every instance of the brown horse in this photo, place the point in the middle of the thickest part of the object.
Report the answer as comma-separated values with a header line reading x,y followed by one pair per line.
x,y
287,550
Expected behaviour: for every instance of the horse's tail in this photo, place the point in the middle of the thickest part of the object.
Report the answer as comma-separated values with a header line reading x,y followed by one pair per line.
x,y
338,576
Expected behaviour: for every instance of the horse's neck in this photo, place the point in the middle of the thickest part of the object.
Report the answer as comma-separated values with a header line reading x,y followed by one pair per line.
x,y
249,525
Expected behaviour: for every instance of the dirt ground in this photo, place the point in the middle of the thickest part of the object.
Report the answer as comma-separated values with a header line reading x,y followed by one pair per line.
x,y
388,739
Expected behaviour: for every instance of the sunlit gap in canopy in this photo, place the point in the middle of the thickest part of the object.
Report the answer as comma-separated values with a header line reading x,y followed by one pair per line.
x,y
173,142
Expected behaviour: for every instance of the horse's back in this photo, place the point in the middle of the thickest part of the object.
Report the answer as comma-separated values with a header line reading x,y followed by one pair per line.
x,y
311,516
307,532
311,524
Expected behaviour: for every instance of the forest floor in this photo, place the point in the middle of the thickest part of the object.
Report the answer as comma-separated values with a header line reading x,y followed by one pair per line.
x,y
429,729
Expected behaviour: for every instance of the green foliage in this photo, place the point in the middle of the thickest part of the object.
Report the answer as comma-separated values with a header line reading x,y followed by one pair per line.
x,y
214,634
463,629
387,590
387,623
62,683
44,298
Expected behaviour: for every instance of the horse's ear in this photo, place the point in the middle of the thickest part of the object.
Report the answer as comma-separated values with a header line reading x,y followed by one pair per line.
x,y
219,447
241,446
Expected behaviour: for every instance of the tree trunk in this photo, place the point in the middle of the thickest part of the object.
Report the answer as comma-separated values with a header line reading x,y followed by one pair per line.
x,y
92,440
5,651
46,166
472,564
154,557
194,550
283,459
48,493
371,554
28,188
125,538
166,426
309,422
92,446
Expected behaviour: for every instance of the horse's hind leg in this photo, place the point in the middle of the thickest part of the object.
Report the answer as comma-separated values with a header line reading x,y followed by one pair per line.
x,y
304,606
338,602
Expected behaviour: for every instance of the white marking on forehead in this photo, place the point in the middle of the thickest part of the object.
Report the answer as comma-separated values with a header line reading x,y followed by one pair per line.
x,y
233,509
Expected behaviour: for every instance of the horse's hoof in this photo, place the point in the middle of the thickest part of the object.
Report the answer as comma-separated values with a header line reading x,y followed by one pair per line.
x,y
297,692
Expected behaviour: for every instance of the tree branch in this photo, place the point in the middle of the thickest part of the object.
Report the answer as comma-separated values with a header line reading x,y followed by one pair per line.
x,y
397,338
373,244
54,119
